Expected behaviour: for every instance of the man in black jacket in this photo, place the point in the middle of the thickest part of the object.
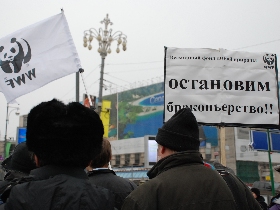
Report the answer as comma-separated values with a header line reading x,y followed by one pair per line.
x,y
63,139
17,165
257,195
179,180
100,175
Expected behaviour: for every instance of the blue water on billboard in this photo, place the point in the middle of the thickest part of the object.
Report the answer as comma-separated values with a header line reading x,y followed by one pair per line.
x,y
150,123
155,100
145,125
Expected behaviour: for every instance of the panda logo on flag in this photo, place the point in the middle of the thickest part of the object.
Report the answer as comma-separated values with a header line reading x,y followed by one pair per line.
x,y
14,55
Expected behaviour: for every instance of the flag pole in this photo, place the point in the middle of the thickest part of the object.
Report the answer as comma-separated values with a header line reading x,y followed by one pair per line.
x,y
77,87
77,77
222,132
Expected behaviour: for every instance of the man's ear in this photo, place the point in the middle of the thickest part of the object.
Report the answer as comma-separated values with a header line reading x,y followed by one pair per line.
x,y
37,162
162,149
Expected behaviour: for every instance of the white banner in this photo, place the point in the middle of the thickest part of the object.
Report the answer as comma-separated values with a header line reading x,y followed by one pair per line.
x,y
222,86
36,55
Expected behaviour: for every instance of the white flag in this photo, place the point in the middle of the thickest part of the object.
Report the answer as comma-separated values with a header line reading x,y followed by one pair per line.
x,y
36,55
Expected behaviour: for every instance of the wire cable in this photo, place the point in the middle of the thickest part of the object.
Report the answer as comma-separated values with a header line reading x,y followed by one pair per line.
x,y
109,72
87,76
116,78
277,40
134,63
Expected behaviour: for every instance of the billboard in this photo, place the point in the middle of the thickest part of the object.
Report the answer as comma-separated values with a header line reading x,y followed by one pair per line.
x,y
136,112
139,112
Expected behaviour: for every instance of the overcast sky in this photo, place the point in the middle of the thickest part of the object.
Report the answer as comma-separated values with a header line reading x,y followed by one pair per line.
x,y
250,25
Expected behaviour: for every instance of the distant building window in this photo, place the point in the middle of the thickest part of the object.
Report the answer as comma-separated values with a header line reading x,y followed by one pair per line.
x,y
118,159
127,159
137,158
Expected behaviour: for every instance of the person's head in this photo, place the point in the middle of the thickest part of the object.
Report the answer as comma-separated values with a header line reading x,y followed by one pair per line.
x,y
179,133
256,192
20,160
104,157
64,135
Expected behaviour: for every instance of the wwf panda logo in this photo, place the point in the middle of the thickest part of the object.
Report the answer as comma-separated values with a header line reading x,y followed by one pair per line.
x,y
13,56
269,59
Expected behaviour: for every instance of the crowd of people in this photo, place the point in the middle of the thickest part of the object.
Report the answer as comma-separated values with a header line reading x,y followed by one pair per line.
x,y
64,164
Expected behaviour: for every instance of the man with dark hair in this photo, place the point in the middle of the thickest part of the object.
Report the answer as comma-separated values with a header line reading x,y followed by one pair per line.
x,y
257,195
179,180
100,175
63,139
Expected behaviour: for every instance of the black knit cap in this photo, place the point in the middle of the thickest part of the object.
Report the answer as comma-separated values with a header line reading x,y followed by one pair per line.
x,y
180,132
20,160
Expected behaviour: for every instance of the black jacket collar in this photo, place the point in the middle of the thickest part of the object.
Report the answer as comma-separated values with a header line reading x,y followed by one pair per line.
x,y
48,171
100,171
174,160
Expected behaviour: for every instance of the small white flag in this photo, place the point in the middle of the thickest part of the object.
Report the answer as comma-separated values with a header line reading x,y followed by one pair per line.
x,y
35,56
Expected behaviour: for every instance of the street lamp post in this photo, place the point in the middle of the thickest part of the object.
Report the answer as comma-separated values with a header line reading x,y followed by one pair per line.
x,y
104,37
7,121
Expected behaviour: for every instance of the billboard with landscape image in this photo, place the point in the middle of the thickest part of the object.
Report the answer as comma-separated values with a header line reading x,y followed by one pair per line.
x,y
136,112
140,111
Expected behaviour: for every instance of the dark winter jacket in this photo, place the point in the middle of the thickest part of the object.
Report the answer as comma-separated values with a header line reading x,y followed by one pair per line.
x,y
181,181
11,179
10,176
243,197
262,202
60,188
119,186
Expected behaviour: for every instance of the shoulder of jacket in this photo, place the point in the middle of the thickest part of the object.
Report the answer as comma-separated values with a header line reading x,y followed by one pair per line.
x,y
13,183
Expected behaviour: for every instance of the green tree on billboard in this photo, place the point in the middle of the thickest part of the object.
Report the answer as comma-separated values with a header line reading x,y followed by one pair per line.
x,y
127,115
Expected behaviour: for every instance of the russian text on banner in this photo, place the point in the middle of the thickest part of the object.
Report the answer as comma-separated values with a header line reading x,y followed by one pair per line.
x,y
221,86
